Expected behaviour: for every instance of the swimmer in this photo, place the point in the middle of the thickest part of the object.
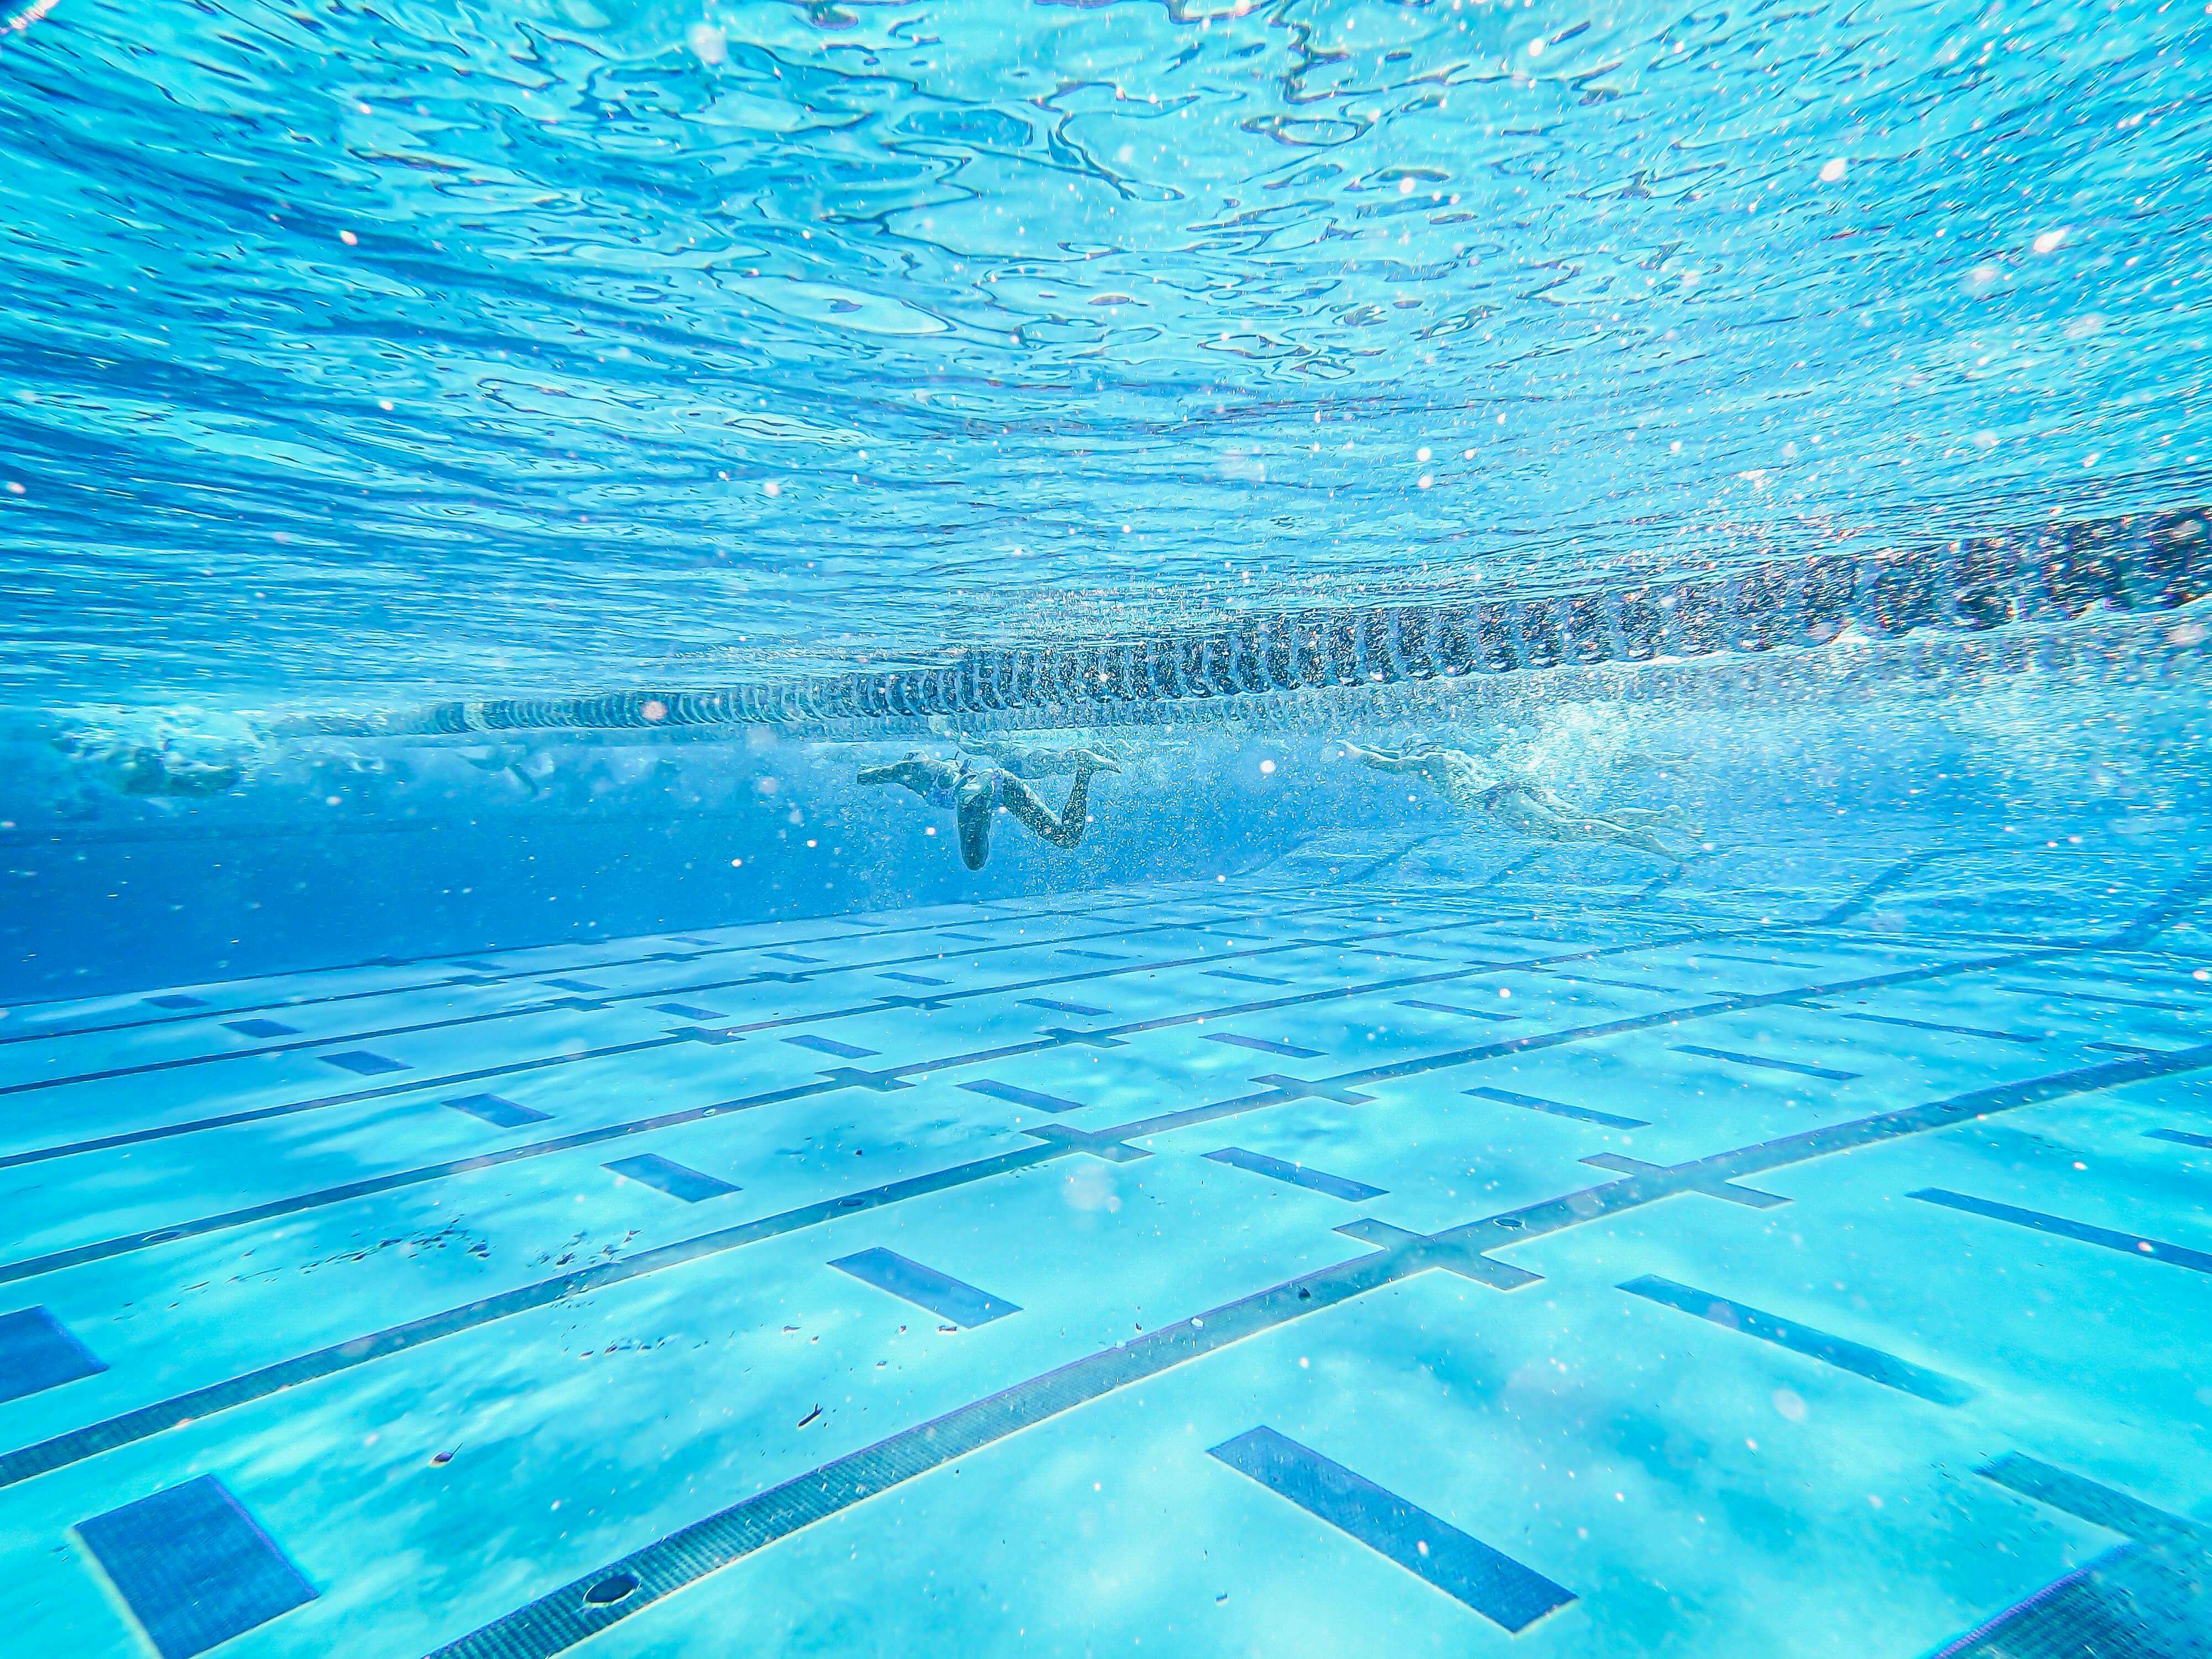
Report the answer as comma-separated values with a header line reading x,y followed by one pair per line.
x,y
503,762
975,793
146,771
1519,803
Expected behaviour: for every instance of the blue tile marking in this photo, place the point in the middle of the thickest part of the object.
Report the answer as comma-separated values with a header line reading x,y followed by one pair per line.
x,y
1008,1093
966,938
493,1110
1454,1008
942,1294
2152,1250
176,1001
1265,1045
685,1010
1297,1175
789,955
822,1045
1827,1071
917,978
2181,1137
1095,956
193,1567
1933,1026
1249,979
1495,1585
260,1027
666,1175
2116,1002
573,985
1063,1008
1559,1108
1870,1363
1623,984
362,1062
2099,1505
37,1352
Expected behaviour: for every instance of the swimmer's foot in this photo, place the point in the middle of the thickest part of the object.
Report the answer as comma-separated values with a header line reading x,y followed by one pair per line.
x,y
1092,761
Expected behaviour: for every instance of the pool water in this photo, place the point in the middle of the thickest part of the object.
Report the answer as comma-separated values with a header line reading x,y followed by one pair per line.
x,y
1613,1059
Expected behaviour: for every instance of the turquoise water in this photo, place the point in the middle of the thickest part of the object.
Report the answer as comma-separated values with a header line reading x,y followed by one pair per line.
x,y
1611,1060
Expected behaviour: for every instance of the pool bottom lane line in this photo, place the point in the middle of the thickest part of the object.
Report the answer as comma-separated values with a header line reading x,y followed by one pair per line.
x,y
564,1617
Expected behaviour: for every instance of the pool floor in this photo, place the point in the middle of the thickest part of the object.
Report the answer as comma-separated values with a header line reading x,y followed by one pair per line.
x,y
1397,1248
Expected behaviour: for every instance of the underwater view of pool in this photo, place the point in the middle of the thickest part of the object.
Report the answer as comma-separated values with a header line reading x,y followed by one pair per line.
x,y
1243,827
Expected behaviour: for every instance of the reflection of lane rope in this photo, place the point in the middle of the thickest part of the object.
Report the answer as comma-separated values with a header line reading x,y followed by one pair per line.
x,y
2028,581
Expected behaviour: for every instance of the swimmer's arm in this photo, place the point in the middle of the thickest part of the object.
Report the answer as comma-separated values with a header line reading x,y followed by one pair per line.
x,y
913,773
1381,759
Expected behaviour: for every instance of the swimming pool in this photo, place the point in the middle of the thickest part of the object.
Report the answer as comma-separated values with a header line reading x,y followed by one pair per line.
x,y
1223,829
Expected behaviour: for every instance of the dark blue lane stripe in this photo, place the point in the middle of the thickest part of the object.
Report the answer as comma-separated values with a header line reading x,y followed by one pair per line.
x,y
1560,1108
1297,1175
1058,1007
1454,1008
2176,1255
193,1567
497,1110
823,1045
2181,1137
1014,1096
1845,1355
1466,1569
2099,1505
38,1352
261,1028
1934,1025
665,1175
1761,1060
364,1062
1265,1045
942,1294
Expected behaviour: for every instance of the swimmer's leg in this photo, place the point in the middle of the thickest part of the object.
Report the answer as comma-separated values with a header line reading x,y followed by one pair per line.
x,y
1639,818
1620,836
1646,818
913,773
971,815
1535,817
1063,828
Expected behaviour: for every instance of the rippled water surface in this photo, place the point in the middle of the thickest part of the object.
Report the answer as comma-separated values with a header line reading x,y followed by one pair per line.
x,y
528,344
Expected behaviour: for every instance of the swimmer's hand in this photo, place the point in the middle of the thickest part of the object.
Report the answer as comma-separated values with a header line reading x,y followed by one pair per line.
x,y
1092,761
